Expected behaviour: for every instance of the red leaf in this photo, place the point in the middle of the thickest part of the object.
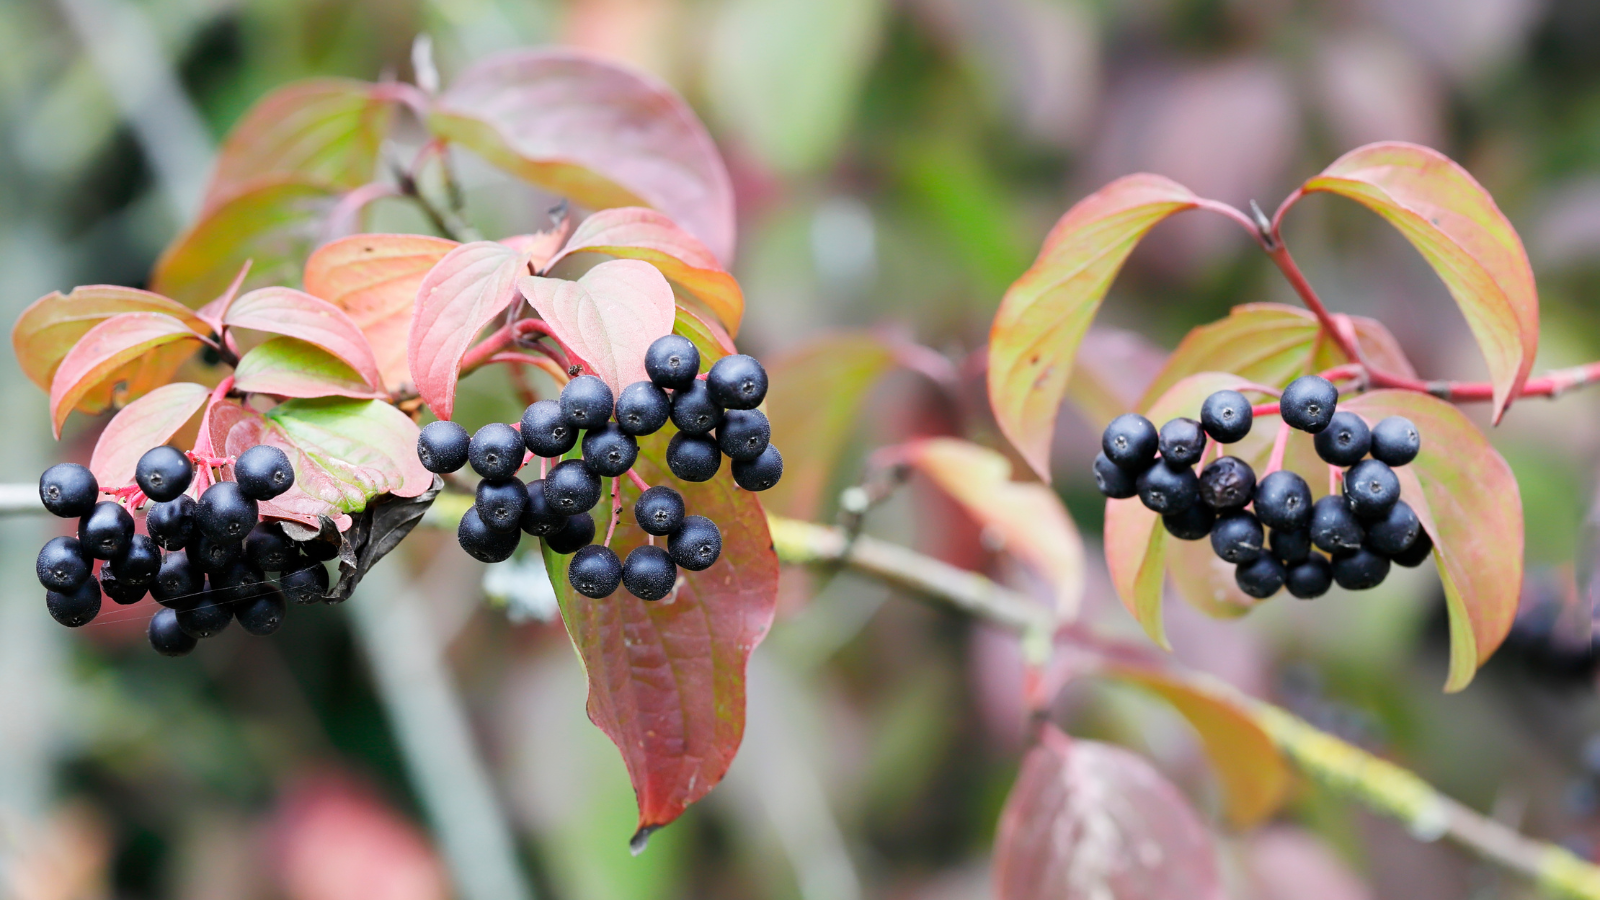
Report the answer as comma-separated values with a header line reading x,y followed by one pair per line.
x,y
608,317
296,314
149,421
154,343
464,292
51,325
593,131
1090,821
289,367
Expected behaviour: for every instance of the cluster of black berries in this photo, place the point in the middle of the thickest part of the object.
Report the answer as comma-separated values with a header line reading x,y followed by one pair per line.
x,y
218,551
715,416
1362,530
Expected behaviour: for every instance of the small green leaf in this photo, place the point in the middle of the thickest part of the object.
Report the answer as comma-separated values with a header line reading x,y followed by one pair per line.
x,y
288,367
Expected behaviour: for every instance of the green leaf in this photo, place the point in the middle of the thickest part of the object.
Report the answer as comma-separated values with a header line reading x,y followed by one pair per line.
x,y
149,421
289,367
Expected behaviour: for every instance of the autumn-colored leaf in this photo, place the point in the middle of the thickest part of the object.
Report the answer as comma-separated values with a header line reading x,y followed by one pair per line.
x,y
289,367
297,314
1090,821
127,354
707,335
1045,313
467,289
667,679
593,131
1469,503
54,323
541,247
1458,229
609,317
374,278
149,421
1110,373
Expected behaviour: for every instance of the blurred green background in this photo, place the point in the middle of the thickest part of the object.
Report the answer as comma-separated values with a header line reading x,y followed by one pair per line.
x,y
897,165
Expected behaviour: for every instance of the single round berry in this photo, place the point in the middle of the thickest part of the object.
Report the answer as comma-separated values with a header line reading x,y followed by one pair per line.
x,y
483,543
659,510
263,472
737,382
1113,480
1344,441
1226,416
1416,554
693,410
571,487
761,473
1166,490
106,531
178,582
1261,577
163,473
642,408
137,565
496,451
501,503
1361,570
1283,500
68,490
545,431
743,434
62,564
1290,547
1395,441
208,555
608,451
119,591
262,615
1395,532
307,584
171,524
1227,483
1192,524
238,582
1237,537
1334,528
319,550
208,618
1371,488
586,402
269,549
166,637
225,513
696,545
649,573
538,519
442,447
595,571
76,607
577,531
694,457
1308,403
1182,442
672,362
1130,441
1310,578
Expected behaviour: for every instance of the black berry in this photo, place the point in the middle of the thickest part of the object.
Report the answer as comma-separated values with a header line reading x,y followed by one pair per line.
x,y
1334,527
262,615
1308,403
263,472
68,490
106,530
120,591
1395,532
1227,483
320,550
694,457
761,473
1416,554
1168,490
163,473
496,451
237,582
595,571
545,431
1130,441
538,519
269,549
571,487
1182,442
642,408
672,362
1344,441
1237,537
501,503
1226,416
442,447
693,410
1371,489
76,607
659,510
608,451
171,524
138,564
586,402
1113,480
1261,577
577,531
177,584
1311,578
165,635
696,545
1361,570
307,584
649,573
208,618
1290,547
737,382
225,513
1395,441
62,564
1192,524
1283,500
208,555
743,434
483,543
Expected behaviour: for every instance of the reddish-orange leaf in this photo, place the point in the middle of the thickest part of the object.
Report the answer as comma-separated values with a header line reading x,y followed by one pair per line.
x,y
149,421
297,314
51,325
609,317
106,351
465,291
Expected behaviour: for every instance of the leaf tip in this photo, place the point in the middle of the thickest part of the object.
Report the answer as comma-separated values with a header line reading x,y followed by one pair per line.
x,y
641,838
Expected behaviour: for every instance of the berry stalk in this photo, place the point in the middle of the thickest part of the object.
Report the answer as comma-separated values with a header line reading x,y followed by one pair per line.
x,y
1280,443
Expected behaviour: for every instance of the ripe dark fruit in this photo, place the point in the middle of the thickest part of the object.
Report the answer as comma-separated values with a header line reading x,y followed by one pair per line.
x,y
106,531
496,451
305,585
177,584
166,637
501,503
571,488
1310,579
1290,547
137,565
737,382
743,434
696,545
672,362
76,607
586,402
538,519
269,549
608,451
237,582
1167,490
225,513
1260,578
1113,480
1283,500
545,431
694,457
642,408
1371,489
595,571
119,591
659,510
1395,441
1361,570
319,550
693,410
208,618
62,564
208,555
649,573
1182,442
1227,483
761,473
578,531
1237,537
483,543
171,524
1192,524
1226,416
1395,532
263,472
442,447
1130,441
1334,527
262,615
163,473
68,490
1416,554
1344,441
1309,402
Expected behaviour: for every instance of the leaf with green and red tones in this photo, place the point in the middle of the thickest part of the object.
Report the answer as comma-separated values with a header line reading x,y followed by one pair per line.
x,y
667,679
541,247
273,224
1458,229
1468,500
374,278
609,317
297,314
122,357
1091,821
327,131
289,367
603,135
149,421
52,325
1034,339
707,335
1027,518
465,291
637,233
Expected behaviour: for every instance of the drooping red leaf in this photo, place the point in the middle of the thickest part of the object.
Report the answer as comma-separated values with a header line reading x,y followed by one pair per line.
x,y
598,133
1091,821
1046,312
297,314
374,278
609,317
465,291
667,679
125,355
289,367
54,323
149,421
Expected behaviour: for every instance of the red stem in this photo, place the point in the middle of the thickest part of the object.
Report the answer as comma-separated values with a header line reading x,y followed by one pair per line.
x,y
1279,444
616,508
1335,475
637,481
1264,409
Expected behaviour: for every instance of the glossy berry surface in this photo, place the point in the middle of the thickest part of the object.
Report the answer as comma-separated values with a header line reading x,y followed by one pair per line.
x,y
577,531
76,607
1416,554
737,382
106,530
538,519
761,473
163,473
1227,483
1396,531
693,410
1361,570
1334,528
206,619
165,635
743,434
263,472
1260,578
1237,537
1131,442
1283,500
178,582
672,361
586,402
571,488
649,573
642,408
1165,490
1345,441
693,457
696,545
62,564
1308,403
171,524
595,571
483,543
1226,416
208,555
501,503
496,451
659,510
442,447
269,549
1396,441
263,614
1182,441
608,451
1192,524
138,564
545,431
1371,489
306,584
1290,547
1113,480
118,591
1309,579
225,514
68,490
237,582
